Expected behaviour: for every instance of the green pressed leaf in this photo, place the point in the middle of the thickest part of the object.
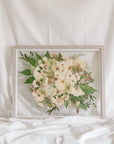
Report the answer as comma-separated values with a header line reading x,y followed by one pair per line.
x,y
32,61
82,106
47,55
50,73
74,70
52,109
31,54
38,83
59,57
66,102
80,98
40,67
60,95
92,97
26,72
21,53
87,89
72,98
47,100
37,56
29,80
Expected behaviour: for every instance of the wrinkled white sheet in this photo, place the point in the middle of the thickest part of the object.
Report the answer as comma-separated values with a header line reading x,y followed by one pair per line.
x,y
69,130
56,22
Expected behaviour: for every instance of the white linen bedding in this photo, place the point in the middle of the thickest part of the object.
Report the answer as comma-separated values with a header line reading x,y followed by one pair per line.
x,y
68,130
56,22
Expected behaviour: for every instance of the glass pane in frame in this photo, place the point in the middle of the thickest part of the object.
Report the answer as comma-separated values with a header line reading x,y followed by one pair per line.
x,y
26,104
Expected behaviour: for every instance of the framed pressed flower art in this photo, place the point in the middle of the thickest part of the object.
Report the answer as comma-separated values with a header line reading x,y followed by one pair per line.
x,y
57,81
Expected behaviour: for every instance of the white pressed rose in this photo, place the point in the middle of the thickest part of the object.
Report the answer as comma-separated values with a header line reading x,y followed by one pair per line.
x,y
34,84
60,85
45,59
76,91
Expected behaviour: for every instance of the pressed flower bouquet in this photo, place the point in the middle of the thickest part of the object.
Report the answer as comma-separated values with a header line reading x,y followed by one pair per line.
x,y
57,81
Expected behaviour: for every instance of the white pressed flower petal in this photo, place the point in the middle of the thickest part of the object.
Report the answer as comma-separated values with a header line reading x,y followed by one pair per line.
x,y
70,78
81,62
37,76
67,97
46,81
34,84
51,91
76,91
45,59
39,98
77,76
53,100
60,101
60,85
34,94
40,104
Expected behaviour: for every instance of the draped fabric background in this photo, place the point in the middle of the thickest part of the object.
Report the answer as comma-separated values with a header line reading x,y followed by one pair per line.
x,y
56,22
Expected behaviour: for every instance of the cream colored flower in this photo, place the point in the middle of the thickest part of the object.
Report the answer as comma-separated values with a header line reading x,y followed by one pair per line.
x,y
69,62
60,85
77,103
45,59
77,76
70,78
46,81
34,84
38,75
82,63
60,101
34,94
54,100
53,54
39,96
40,104
51,91
67,97
76,91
